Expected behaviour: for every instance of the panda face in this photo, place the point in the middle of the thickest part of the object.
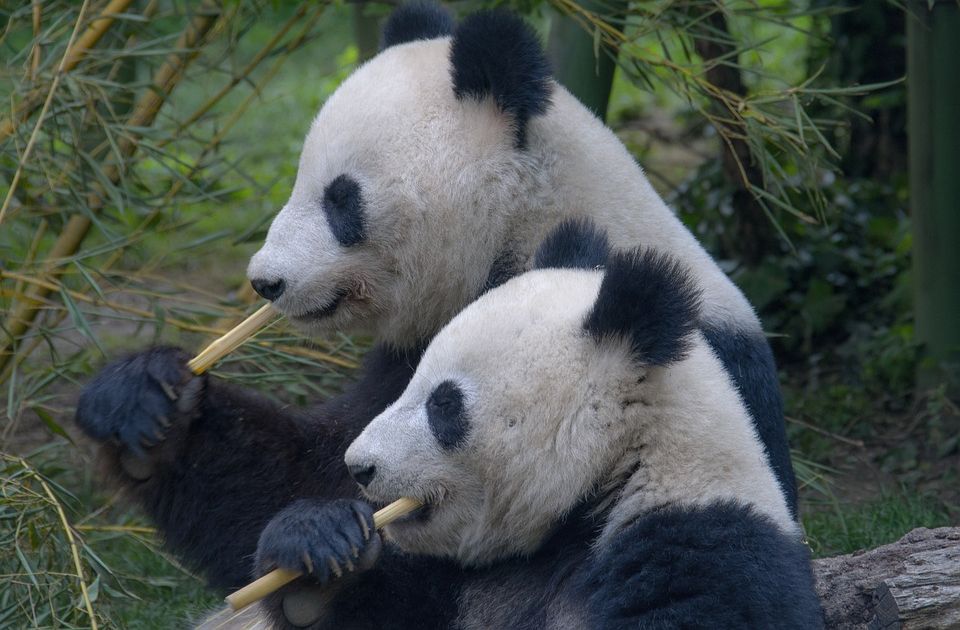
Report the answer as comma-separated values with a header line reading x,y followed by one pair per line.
x,y
509,420
399,203
560,387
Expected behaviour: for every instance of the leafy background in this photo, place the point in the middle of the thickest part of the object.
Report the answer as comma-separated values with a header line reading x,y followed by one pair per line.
x,y
173,139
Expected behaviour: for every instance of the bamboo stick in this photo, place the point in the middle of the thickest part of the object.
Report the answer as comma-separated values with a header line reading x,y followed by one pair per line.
x,y
23,311
71,58
43,114
230,341
270,582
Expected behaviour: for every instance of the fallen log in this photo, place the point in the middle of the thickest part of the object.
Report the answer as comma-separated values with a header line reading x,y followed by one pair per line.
x,y
910,584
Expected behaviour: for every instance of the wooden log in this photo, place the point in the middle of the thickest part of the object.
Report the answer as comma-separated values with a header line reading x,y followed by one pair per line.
x,y
910,584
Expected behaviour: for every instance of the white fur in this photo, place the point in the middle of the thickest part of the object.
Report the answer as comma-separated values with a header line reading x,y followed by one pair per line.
x,y
446,192
554,417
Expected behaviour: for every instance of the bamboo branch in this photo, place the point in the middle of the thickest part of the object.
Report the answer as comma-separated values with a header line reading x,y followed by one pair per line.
x,y
277,578
232,340
43,114
68,531
144,113
70,60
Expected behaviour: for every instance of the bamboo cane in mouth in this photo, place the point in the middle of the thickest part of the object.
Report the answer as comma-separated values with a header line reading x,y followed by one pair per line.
x,y
226,344
220,348
270,582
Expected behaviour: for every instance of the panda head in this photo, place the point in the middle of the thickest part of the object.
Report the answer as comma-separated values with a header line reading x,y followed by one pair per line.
x,y
406,178
521,404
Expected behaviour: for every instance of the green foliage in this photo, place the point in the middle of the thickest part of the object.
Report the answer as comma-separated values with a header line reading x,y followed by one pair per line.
x,y
175,198
60,564
841,291
839,529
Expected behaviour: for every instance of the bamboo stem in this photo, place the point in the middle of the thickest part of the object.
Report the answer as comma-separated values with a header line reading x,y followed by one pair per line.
x,y
230,341
145,111
71,58
272,581
43,114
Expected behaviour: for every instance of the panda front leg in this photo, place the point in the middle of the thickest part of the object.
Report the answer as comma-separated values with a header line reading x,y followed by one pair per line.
x,y
210,463
351,577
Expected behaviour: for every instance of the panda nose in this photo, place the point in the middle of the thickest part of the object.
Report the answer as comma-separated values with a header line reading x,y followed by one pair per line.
x,y
362,474
267,289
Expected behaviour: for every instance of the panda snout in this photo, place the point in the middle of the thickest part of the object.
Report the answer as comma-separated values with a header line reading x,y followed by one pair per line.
x,y
269,289
362,474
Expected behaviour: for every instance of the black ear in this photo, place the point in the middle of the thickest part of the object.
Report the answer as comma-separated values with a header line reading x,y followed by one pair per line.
x,y
650,299
495,53
416,20
573,244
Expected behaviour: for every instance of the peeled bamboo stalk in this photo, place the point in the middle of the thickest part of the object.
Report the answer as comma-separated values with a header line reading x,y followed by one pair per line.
x,y
232,340
270,582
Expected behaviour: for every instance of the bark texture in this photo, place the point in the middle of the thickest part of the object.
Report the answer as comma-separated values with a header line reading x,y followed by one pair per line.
x,y
910,584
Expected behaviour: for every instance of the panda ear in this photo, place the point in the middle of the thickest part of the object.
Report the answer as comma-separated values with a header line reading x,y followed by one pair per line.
x,y
573,244
650,299
495,53
416,20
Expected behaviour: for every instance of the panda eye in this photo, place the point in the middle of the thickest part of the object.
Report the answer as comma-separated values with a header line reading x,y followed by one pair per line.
x,y
447,415
343,207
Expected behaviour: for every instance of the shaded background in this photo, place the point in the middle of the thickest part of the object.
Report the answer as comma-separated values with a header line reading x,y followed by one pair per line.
x,y
145,146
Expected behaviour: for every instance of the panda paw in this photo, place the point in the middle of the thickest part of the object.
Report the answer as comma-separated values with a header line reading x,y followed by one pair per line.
x,y
136,401
322,539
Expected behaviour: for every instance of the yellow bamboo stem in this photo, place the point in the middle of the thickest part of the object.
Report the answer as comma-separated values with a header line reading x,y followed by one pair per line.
x,y
270,582
68,530
71,58
230,341
96,31
43,113
145,111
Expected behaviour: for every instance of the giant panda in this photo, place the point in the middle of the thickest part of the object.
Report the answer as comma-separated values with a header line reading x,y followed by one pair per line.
x,y
584,461
427,178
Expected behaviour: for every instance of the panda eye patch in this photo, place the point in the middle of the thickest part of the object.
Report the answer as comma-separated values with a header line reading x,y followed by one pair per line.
x,y
447,415
343,206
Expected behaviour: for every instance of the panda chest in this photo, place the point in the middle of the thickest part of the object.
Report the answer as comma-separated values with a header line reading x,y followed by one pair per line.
x,y
517,595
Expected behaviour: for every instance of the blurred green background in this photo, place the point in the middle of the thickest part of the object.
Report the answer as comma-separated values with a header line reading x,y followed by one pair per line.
x,y
139,174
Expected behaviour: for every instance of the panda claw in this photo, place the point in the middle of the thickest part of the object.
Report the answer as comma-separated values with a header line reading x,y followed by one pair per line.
x,y
164,421
335,567
168,390
348,564
308,563
363,524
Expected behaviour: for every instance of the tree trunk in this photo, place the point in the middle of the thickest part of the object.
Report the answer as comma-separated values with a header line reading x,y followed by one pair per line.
x,y
586,72
910,584
755,235
933,110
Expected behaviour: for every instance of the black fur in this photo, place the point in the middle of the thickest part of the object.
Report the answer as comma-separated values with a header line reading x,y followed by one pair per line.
x,y
134,402
218,479
748,359
343,205
309,534
508,264
496,54
650,299
717,566
720,566
416,20
574,244
447,416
